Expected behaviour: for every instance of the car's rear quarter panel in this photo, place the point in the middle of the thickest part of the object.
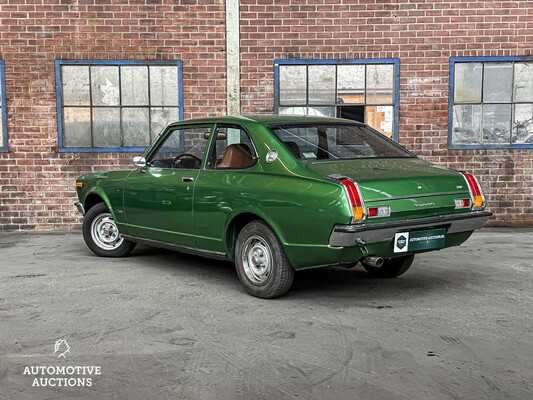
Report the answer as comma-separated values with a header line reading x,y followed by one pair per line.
x,y
301,211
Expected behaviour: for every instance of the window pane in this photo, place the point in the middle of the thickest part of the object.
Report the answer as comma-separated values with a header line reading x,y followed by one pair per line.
x,y
496,123
75,85
351,84
136,127
497,82
523,82
179,142
161,116
1,128
164,86
321,111
523,123
380,118
105,88
379,84
77,127
466,124
134,85
323,142
293,110
467,84
317,111
221,155
292,85
106,127
322,84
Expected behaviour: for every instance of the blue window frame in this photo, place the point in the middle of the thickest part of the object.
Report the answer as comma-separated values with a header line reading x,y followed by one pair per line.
x,y
115,105
491,103
3,112
365,90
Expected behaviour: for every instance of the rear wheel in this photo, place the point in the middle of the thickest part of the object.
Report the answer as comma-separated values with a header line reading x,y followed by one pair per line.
x,y
101,234
391,267
261,263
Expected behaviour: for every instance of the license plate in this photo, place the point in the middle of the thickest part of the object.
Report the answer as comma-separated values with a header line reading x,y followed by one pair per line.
x,y
419,240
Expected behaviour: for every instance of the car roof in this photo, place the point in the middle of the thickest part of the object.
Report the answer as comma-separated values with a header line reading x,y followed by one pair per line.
x,y
267,119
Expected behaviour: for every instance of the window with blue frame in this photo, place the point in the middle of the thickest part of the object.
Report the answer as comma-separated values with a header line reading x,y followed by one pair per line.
x,y
3,108
362,90
115,105
491,102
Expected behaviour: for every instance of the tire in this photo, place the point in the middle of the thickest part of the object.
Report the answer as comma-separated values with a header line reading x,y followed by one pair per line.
x,y
261,263
391,267
101,234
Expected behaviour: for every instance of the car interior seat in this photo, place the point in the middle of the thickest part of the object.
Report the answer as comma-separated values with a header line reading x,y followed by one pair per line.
x,y
236,156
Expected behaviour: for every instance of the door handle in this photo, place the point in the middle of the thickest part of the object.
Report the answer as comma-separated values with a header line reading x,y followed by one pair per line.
x,y
187,179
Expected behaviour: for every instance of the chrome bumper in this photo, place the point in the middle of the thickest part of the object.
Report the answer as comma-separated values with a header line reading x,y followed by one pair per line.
x,y
350,235
80,208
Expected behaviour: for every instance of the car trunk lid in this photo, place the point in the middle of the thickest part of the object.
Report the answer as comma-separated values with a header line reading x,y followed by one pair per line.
x,y
410,186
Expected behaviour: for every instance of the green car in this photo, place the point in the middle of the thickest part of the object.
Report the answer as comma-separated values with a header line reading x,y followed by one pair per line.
x,y
277,194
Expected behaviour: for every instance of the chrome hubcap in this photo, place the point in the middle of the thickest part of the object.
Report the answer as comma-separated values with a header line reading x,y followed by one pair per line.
x,y
257,260
105,233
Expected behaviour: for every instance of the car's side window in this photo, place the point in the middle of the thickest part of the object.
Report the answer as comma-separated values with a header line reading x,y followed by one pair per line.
x,y
183,148
232,149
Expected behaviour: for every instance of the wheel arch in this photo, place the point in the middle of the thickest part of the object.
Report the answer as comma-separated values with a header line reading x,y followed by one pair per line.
x,y
95,197
239,221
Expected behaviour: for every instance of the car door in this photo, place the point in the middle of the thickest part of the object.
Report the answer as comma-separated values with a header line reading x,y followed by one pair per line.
x,y
225,185
158,198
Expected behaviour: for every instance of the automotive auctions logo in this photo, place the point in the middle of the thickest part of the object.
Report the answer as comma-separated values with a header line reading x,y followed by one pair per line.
x,y
61,343
62,376
401,242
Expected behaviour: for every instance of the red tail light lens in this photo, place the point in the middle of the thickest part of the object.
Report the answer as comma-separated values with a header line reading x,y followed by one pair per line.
x,y
356,200
377,212
478,199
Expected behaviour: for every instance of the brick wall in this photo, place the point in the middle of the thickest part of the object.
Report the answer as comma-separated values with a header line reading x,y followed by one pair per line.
x,y
424,35
37,182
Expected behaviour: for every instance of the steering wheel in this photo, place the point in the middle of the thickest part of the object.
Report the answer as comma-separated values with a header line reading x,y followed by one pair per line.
x,y
180,162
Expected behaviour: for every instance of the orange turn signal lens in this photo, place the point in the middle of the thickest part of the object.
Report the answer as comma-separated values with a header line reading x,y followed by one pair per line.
x,y
478,201
358,213
79,184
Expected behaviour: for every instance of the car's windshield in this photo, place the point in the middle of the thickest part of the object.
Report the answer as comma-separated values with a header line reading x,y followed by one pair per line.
x,y
336,142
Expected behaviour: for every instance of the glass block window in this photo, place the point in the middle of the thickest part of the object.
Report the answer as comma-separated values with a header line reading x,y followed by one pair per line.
x,y
116,105
361,90
491,102
3,109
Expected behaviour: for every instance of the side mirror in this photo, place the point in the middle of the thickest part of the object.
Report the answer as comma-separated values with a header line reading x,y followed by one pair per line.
x,y
139,161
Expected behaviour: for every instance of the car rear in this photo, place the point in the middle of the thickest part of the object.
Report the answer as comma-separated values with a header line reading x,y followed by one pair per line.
x,y
400,204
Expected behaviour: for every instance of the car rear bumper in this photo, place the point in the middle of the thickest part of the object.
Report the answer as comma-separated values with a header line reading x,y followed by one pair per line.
x,y
351,235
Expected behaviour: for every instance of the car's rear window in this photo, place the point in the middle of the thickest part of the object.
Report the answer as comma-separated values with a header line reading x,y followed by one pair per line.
x,y
337,142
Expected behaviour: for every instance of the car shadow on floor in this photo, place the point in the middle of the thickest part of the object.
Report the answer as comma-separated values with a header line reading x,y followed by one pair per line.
x,y
420,280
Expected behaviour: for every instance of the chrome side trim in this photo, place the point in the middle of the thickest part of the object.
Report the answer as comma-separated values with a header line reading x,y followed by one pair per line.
x,y
350,235
416,197
177,247
80,208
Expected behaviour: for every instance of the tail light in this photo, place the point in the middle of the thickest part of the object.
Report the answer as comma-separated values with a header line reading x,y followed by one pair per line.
x,y
356,200
478,199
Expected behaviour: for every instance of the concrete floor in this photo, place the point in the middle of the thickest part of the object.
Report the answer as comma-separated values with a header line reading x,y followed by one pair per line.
x,y
162,325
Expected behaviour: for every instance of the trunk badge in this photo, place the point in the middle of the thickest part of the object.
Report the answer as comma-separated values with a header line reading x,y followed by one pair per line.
x,y
419,187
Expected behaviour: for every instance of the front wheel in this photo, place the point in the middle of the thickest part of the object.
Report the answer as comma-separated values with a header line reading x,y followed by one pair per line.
x,y
391,267
101,234
262,266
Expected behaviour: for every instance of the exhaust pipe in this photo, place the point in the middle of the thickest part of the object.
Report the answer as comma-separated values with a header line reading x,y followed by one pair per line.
x,y
373,261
